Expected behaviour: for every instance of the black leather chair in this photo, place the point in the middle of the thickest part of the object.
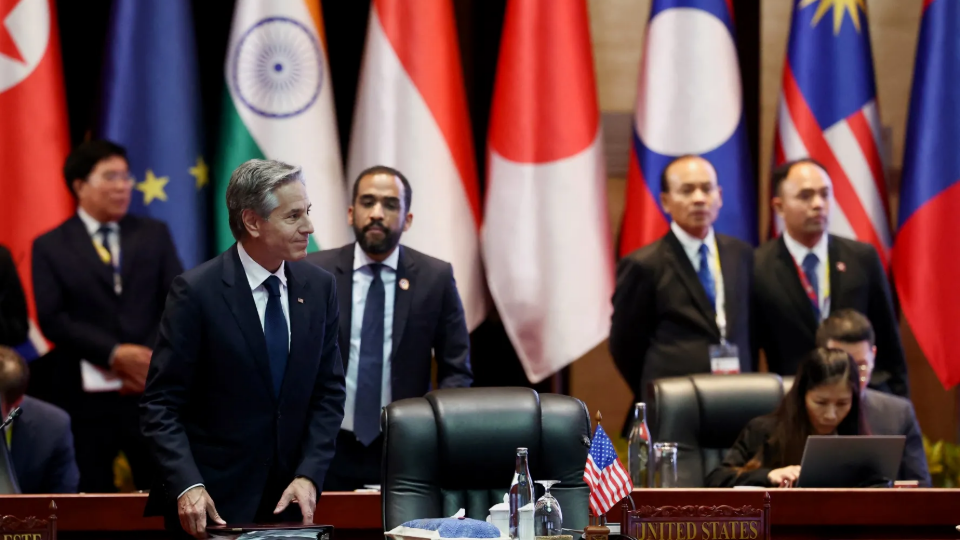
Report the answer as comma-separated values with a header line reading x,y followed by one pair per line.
x,y
705,413
456,448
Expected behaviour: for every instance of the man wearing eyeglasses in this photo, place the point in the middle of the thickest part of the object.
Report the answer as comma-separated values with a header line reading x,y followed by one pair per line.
x,y
887,414
100,281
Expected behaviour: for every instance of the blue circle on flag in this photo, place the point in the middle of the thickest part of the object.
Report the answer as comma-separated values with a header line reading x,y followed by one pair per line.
x,y
277,68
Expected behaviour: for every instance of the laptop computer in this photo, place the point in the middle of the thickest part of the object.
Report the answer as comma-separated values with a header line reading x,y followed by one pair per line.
x,y
835,461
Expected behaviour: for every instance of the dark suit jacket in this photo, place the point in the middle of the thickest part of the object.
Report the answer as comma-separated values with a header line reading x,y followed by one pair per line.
x,y
42,449
13,304
754,438
76,303
786,324
663,323
428,319
209,412
893,415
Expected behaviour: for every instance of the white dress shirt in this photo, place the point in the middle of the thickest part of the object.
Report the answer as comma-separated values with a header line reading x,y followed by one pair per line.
x,y
362,279
691,246
256,275
799,251
94,378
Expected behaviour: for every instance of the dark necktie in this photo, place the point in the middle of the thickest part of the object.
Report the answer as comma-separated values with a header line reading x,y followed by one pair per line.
x,y
366,423
107,256
810,271
104,232
706,277
275,332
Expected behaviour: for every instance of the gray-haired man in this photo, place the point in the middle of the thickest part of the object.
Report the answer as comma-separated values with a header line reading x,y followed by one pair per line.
x,y
245,393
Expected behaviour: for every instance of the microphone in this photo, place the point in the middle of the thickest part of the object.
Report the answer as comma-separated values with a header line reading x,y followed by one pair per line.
x,y
11,417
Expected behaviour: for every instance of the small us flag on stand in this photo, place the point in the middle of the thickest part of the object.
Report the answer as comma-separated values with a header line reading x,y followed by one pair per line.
x,y
608,480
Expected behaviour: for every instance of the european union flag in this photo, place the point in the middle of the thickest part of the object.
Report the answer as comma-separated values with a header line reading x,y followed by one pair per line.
x,y
151,105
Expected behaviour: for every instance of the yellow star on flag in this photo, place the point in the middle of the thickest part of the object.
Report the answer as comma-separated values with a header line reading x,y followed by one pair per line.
x,y
840,7
201,172
152,188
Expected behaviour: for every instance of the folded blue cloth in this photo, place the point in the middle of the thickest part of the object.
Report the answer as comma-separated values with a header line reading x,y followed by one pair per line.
x,y
456,528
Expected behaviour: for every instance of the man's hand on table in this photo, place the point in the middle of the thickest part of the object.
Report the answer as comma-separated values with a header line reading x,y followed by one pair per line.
x,y
194,507
303,492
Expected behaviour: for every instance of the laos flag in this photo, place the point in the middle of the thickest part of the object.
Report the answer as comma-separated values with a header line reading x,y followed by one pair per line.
x,y
926,254
689,101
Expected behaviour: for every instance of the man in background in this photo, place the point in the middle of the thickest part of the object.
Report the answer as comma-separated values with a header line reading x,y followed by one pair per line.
x,y
681,304
13,303
100,280
886,414
806,274
39,440
399,309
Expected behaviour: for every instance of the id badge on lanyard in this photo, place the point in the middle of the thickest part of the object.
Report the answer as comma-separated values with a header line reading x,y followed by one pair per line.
x,y
725,357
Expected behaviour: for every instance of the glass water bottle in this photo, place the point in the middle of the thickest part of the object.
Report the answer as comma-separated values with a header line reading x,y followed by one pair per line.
x,y
638,448
521,491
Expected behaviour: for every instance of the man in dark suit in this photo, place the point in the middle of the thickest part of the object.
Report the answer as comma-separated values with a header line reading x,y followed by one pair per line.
x,y
887,414
100,279
399,308
13,304
39,440
245,391
806,273
678,299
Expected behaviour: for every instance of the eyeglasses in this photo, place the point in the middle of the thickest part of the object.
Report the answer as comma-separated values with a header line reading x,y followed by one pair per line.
x,y
112,176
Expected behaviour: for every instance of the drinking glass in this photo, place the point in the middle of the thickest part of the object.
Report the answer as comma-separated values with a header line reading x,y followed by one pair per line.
x,y
666,465
547,519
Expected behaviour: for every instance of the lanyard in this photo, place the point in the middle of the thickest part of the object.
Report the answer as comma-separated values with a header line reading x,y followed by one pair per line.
x,y
721,315
811,294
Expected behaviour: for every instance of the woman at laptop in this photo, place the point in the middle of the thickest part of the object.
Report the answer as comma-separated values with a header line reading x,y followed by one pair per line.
x,y
824,400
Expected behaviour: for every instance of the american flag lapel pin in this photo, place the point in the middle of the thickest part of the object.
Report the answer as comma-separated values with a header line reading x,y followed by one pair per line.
x,y
841,267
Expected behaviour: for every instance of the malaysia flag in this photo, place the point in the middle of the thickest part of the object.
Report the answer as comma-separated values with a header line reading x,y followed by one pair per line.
x,y
828,111
927,249
689,101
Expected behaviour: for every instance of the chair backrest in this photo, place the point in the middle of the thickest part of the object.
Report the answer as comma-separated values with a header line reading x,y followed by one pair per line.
x,y
456,448
705,413
29,528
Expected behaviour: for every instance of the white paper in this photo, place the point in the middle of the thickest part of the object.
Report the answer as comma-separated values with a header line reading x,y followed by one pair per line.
x,y
96,379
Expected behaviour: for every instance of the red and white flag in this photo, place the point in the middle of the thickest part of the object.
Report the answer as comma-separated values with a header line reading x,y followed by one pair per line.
x,y
34,140
411,114
546,235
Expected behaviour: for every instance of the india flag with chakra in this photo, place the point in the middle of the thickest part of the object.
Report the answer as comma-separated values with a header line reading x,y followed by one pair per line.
x,y
278,104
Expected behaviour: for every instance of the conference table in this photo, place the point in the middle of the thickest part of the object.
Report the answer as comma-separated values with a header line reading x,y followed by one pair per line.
x,y
795,513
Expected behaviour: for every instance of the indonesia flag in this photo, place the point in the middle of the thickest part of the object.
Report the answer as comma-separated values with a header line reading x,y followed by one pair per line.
x,y
828,111
546,238
411,114
689,101
34,141
927,251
